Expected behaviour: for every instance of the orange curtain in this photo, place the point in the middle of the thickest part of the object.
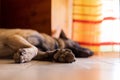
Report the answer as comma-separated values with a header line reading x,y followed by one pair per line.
x,y
89,24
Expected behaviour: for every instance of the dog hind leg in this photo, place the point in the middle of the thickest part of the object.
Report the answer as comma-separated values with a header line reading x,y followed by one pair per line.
x,y
24,50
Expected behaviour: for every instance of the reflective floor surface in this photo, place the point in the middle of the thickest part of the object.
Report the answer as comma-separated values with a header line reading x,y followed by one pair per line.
x,y
101,67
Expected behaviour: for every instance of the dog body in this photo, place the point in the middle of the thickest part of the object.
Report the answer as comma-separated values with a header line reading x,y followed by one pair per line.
x,y
25,44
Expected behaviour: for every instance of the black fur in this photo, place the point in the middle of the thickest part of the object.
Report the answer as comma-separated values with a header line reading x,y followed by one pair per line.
x,y
78,50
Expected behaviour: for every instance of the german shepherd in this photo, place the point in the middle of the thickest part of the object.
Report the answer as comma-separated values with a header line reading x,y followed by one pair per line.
x,y
23,45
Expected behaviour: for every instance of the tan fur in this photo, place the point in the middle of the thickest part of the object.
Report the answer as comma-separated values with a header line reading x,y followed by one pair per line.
x,y
13,39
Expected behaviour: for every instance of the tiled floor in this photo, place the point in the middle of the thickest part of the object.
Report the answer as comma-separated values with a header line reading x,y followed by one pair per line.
x,y
93,68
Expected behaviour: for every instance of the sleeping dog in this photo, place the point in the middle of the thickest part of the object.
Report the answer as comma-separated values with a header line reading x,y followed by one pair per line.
x,y
23,45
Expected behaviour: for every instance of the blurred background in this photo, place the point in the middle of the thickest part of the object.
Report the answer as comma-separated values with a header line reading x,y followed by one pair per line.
x,y
94,24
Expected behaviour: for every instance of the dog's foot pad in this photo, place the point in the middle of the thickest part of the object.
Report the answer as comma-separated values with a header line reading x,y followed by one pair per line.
x,y
64,56
22,56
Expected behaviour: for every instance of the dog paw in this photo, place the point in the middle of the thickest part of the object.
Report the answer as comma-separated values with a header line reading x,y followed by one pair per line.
x,y
22,56
64,56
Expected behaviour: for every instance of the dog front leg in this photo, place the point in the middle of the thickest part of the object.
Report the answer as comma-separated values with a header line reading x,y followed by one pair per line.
x,y
58,55
45,56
